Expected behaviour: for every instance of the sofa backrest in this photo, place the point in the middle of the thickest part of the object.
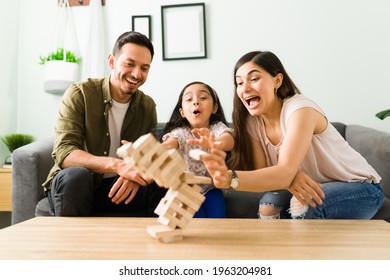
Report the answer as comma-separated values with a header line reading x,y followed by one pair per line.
x,y
374,146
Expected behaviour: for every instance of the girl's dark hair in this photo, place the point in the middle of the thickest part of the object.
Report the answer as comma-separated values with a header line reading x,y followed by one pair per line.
x,y
242,154
176,120
135,38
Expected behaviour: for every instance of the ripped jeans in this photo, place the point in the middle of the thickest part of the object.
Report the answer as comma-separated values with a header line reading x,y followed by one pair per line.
x,y
280,200
343,200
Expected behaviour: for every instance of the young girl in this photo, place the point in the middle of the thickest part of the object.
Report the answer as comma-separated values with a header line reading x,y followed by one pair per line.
x,y
287,143
198,115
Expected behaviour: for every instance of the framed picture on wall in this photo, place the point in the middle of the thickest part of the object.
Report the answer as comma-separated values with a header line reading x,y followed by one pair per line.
x,y
142,24
183,31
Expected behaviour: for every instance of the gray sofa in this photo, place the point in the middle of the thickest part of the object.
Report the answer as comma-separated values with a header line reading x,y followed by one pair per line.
x,y
31,164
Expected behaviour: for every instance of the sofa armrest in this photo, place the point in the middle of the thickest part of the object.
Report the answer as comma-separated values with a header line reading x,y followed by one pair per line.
x,y
30,166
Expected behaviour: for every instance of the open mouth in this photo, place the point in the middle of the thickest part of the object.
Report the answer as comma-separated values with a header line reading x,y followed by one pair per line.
x,y
252,101
196,112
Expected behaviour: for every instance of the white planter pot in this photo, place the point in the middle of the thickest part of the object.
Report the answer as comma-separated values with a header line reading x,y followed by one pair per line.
x,y
59,75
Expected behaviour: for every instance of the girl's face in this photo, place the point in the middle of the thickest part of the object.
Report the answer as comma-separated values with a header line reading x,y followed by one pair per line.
x,y
256,88
197,105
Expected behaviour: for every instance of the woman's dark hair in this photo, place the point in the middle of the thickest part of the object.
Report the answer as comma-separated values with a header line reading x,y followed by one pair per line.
x,y
135,38
176,120
242,154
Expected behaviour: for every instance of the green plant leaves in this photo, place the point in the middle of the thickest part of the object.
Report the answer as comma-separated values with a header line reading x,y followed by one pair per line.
x,y
14,141
59,55
383,114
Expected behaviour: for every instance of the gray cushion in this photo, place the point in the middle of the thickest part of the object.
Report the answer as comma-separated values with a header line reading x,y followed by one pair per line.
x,y
374,146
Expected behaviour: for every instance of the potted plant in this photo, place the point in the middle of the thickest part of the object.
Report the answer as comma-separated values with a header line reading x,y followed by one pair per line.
x,y
383,114
61,70
14,141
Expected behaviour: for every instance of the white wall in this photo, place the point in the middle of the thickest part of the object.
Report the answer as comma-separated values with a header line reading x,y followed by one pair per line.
x,y
9,70
337,52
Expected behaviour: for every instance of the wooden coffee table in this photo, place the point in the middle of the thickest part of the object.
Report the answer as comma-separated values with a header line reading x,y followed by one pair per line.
x,y
62,238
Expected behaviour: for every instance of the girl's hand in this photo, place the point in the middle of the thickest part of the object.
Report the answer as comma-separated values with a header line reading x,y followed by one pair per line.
x,y
216,166
206,138
306,190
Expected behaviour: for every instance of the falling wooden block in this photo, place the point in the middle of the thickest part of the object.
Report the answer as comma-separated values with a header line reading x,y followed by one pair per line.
x,y
164,233
190,178
167,168
196,154
174,213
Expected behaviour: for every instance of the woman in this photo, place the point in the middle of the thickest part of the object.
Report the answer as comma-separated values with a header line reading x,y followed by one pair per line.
x,y
284,141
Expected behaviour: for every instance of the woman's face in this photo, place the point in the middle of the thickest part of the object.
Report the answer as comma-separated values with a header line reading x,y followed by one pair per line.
x,y
256,88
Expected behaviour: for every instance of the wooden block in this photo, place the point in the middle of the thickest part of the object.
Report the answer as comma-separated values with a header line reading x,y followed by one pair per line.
x,y
171,175
164,203
165,234
186,198
151,152
174,213
190,178
192,192
196,154
124,151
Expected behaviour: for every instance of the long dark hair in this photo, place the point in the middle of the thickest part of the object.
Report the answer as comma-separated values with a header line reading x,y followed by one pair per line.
x,y
176,120
242,154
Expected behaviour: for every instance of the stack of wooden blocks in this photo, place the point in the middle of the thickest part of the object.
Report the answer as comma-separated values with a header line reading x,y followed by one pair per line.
x,y
167,169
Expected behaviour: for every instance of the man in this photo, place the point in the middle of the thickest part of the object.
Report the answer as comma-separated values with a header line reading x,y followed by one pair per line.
x,y
94,117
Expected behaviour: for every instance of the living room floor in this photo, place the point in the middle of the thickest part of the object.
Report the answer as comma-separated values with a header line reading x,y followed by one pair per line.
x,y
5,219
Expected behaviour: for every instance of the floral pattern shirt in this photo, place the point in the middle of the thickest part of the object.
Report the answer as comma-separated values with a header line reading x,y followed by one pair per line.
x,y
195,166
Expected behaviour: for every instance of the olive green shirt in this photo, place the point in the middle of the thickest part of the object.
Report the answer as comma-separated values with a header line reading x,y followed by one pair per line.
x,y
82,122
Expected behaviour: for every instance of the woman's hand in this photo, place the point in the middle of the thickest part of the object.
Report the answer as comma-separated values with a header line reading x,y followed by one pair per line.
x,y
206,138
123,189
216,166
306,190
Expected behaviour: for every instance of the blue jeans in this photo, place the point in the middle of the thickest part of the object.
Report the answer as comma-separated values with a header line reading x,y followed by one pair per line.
x,y
213,206
343,200
74,193
279,200
348,200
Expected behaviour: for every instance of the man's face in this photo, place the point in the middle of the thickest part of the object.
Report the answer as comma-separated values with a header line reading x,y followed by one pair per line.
x,y
130,68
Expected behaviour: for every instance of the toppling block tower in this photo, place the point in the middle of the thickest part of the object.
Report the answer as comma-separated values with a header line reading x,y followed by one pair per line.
x,y
167,169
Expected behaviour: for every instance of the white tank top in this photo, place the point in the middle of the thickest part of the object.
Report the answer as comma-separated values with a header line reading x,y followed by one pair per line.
x,y
329,158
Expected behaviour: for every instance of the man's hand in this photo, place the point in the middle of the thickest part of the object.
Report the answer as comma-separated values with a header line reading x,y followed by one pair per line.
x,y
123,189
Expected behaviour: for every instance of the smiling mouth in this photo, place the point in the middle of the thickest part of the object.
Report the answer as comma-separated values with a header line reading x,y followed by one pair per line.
x,y
132,81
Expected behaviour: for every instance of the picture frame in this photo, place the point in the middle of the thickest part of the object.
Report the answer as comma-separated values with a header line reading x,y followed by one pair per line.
x,y
142,24
183,31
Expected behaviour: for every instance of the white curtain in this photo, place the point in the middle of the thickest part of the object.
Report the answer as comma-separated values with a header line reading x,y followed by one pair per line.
x,y
94,60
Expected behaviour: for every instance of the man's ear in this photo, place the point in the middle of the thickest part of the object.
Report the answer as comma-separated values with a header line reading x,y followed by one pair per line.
x,y
111,61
